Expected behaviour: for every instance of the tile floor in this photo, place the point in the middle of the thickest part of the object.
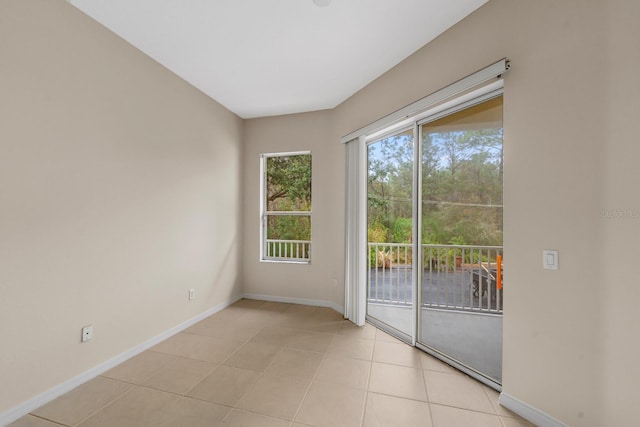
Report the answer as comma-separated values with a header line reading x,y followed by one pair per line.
x,y
278,365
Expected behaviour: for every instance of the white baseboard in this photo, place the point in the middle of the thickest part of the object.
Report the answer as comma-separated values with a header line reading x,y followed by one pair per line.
x,y
303,301
24,408
528,412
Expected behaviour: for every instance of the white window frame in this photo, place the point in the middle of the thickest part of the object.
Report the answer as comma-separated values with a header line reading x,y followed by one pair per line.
x,y
291,254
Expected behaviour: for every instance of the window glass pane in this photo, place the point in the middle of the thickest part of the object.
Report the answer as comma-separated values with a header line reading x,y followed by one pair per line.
x,y
462,177
288,183
390,189
288,227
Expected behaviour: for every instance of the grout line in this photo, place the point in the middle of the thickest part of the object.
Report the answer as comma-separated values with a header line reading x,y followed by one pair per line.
x,y
40,417
190,389
368,385
398,397
464,409
117,399
297,412
426,390
248,411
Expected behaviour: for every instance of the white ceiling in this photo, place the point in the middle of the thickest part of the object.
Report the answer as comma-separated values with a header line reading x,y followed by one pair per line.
x,y
270,57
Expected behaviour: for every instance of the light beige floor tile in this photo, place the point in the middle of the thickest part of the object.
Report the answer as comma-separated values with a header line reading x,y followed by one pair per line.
x,y
312,341
400,381
275,395
446,416
180,375
493,398
210,349
208,326
306,310
367,332
390,411
297,363
277,307
83,401
509,419
355,348
383,336
328,313
225,385
233,314
31,421
515,422
248,303
273,335
352,373
321,325
195,413
229,314
286,320
140,367
332,405
397,354
237,418
244,328
264,317
457,390
143,407
432,364
254,356
324,320
244,312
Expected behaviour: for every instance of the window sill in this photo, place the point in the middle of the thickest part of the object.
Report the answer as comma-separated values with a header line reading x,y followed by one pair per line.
x,y
285,261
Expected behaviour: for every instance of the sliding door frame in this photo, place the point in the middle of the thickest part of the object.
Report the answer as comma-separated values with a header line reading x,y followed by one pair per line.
x,y
458,95
499,92
406,336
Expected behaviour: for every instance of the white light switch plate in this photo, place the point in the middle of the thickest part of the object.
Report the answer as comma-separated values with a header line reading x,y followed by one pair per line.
x,y
550,259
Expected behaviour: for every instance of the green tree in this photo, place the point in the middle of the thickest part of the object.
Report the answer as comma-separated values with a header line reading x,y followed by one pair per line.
x,y
289,182
288,188
390,177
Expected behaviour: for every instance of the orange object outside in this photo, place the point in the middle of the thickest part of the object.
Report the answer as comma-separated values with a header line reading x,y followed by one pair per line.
x,y
499,274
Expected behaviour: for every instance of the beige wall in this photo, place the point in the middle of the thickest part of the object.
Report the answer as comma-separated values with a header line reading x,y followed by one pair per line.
x,y
620,342
568,349
297,132
119,191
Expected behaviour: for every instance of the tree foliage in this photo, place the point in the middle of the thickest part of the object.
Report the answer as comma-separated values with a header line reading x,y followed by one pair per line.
x,y
289,182
461,186
288,188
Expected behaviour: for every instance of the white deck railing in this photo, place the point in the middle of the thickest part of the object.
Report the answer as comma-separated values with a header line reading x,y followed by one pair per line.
x,y
452,277
288,250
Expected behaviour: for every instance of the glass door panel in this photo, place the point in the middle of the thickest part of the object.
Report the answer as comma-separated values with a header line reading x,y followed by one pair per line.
x,y
390,169
460,314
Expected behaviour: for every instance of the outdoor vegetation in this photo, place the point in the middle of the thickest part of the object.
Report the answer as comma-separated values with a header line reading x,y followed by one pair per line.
x,y
461,184
288,189
461,187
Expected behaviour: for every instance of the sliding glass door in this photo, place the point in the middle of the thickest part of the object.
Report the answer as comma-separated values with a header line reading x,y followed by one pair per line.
x,y
460,315
390,207
434,234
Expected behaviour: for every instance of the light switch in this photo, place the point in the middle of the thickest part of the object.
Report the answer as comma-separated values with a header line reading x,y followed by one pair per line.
x,y
549,259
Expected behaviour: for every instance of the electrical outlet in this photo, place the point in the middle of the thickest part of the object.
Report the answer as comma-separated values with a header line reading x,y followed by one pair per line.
x,y
87,333
192,294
